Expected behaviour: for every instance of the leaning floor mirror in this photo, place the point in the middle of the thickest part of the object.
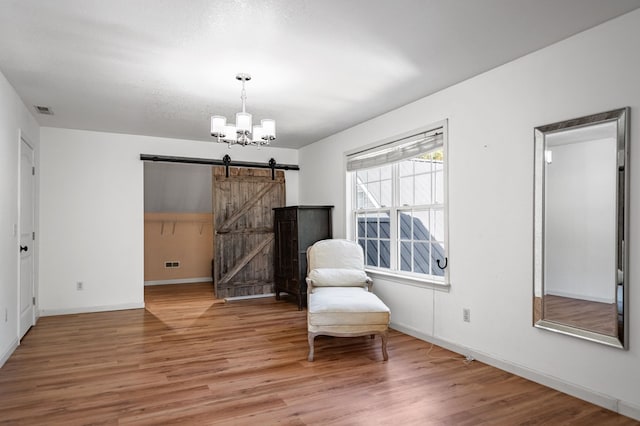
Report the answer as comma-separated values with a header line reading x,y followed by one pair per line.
x,y
580,227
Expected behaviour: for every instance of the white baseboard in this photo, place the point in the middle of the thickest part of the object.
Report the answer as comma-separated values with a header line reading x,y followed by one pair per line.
x,y
7,354
253,296
606,401
180,281
628,409
90,309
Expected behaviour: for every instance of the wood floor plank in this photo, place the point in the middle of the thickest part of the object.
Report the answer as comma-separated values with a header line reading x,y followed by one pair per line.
x,y
190,359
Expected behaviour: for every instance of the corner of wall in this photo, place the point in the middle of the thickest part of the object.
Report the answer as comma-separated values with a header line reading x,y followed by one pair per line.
x,y
7,353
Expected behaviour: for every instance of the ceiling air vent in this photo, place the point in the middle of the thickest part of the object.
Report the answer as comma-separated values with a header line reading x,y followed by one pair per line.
x,y
43,109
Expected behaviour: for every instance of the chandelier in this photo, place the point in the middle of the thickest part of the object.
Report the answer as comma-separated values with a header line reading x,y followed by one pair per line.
x,y
242,132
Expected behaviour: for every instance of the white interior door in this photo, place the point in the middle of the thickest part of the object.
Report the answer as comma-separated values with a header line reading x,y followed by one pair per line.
x,y
27,318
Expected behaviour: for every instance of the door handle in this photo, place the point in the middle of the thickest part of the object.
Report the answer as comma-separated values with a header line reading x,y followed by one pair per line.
x,y
24,248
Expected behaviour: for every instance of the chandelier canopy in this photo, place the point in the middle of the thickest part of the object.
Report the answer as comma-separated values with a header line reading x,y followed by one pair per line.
x,y
242,132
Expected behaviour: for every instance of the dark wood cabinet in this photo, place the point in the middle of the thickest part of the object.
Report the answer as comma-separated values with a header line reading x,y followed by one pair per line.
x,y
296,228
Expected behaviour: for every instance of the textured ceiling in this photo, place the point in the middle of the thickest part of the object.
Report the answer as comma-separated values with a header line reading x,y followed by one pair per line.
x,y
162,67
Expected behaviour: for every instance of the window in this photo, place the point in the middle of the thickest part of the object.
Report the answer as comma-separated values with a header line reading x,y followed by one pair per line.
x,y
398,205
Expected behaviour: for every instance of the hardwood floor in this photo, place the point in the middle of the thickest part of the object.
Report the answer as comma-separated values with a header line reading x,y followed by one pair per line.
x,y
191,360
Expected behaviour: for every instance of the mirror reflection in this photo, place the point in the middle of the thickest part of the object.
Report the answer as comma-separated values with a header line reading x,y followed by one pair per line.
x,y
579,236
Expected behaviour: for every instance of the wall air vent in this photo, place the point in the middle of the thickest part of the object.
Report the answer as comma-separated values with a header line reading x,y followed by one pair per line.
x,y
172,264
41,109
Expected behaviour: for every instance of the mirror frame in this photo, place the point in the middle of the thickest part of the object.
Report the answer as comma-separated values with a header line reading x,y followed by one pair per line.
x,y
621,118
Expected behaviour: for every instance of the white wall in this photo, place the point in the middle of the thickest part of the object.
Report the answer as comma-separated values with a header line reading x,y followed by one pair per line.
x,y
14,119
92,218
491,120
580,220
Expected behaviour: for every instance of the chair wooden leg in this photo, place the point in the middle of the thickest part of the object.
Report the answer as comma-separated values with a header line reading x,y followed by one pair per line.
x,y
385,355
311,337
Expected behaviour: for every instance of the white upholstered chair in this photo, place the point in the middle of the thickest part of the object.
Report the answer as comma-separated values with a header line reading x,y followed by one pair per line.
x,y
339,298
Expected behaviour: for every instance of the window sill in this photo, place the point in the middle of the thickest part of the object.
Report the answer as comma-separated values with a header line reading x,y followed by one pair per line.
x,y
408,279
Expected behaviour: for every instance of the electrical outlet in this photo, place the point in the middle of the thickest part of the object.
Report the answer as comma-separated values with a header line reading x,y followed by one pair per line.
x,y
466,315
79,286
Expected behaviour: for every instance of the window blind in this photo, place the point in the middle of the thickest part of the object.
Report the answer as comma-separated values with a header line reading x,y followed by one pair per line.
x,y
391,152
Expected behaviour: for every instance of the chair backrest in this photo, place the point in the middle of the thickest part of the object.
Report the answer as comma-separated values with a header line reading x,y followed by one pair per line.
x,y
335,253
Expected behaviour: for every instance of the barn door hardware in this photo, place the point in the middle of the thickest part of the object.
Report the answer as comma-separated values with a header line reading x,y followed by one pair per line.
x,y
226,162
272,164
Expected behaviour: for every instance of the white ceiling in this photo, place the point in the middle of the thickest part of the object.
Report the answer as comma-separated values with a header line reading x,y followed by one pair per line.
x,y
162,67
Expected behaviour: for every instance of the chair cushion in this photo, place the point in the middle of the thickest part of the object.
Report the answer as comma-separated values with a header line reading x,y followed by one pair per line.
x,y
346,306
338,277
336,254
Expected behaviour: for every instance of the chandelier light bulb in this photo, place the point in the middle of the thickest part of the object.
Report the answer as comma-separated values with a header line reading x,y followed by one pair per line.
x,y
243,122
257,134
218,124
230,133
268,129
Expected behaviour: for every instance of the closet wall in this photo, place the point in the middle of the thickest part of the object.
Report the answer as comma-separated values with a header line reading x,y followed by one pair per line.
x,y
178,247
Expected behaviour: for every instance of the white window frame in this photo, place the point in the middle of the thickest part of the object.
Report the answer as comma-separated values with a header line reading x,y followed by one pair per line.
x,y
395,209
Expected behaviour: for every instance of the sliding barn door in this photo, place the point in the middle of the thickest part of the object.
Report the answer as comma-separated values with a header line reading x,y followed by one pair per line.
x,y
243,222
